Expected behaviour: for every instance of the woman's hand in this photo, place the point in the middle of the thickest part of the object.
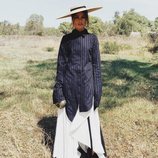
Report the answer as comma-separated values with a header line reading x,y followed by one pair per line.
x,y
61,104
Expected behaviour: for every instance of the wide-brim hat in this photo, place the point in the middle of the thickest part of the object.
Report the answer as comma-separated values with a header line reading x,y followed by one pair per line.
x,y
78,9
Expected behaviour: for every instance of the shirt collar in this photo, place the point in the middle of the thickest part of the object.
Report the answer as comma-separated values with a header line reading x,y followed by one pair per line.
x,y
76,32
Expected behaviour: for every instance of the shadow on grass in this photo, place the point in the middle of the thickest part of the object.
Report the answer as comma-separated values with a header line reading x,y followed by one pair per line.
x,y
48,126
42,72
39,68
123,79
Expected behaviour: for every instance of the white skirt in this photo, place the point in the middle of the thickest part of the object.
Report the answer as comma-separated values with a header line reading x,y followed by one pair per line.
x,y
69,135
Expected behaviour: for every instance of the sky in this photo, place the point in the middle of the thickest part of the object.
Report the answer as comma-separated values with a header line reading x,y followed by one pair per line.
x,y
18,11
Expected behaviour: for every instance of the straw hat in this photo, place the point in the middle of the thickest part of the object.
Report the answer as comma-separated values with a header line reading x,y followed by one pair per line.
x,y
78,9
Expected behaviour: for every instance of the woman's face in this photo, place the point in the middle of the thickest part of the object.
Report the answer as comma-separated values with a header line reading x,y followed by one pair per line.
x,y
79,21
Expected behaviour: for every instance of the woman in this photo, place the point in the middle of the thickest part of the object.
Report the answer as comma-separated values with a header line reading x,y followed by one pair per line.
x,y
77,92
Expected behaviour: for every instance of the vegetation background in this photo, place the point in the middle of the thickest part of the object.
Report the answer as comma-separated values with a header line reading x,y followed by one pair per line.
x,y
129,105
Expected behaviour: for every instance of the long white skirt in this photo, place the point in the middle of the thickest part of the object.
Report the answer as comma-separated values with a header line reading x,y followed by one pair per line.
x,y
69,135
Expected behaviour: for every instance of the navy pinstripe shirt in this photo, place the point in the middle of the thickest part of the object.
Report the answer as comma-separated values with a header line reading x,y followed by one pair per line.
x,y
78,77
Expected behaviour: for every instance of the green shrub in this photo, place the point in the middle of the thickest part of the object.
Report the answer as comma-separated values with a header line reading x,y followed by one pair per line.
x,y
50,49
153,37
154,49
125,47
111,48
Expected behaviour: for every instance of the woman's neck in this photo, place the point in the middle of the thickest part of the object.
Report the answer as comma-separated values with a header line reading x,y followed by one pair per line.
x,y
80,30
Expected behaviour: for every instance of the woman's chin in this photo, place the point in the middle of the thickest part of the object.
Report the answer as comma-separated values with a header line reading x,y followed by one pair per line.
x,y
80,28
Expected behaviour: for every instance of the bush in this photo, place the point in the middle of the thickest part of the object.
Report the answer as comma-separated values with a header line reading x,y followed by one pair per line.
x,y
153,37
50,49
51,31
125,47
111,48
154,49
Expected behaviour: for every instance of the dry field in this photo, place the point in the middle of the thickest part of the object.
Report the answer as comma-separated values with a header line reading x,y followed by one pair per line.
x,y
28,118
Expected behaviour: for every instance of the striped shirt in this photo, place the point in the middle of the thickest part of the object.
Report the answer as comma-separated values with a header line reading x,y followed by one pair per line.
x,y
78,77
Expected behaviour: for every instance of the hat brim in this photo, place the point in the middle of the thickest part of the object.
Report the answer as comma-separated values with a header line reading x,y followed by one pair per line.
x,y
80,10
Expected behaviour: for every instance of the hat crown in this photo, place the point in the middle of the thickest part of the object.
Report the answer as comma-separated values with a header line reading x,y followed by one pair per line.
x,y
77,7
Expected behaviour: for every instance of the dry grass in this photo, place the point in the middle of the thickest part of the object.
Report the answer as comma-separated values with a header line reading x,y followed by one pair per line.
x,y
27,117
20,108
131,130
20,136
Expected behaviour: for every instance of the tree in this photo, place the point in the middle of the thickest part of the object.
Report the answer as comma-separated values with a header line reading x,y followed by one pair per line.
x,y
8,29
152,26
131,21
34,25
49,31
96,25
65,27
116,17
156,24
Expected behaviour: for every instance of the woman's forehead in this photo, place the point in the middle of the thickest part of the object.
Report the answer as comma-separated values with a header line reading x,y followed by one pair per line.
x,y
79,14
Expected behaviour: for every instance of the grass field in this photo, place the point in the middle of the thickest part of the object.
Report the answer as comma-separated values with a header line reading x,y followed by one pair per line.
x,y
128,109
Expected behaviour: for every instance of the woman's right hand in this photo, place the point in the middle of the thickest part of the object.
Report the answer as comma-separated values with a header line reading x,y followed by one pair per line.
x,y
61,104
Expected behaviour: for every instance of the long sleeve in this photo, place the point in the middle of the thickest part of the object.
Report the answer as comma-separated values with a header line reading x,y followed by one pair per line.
x,y
96,72
58,95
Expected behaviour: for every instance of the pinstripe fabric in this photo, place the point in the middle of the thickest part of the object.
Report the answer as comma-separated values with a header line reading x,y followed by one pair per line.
x,y
78,77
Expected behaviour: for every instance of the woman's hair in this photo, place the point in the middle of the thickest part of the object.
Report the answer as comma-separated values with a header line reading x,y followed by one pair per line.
x,y
86,15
